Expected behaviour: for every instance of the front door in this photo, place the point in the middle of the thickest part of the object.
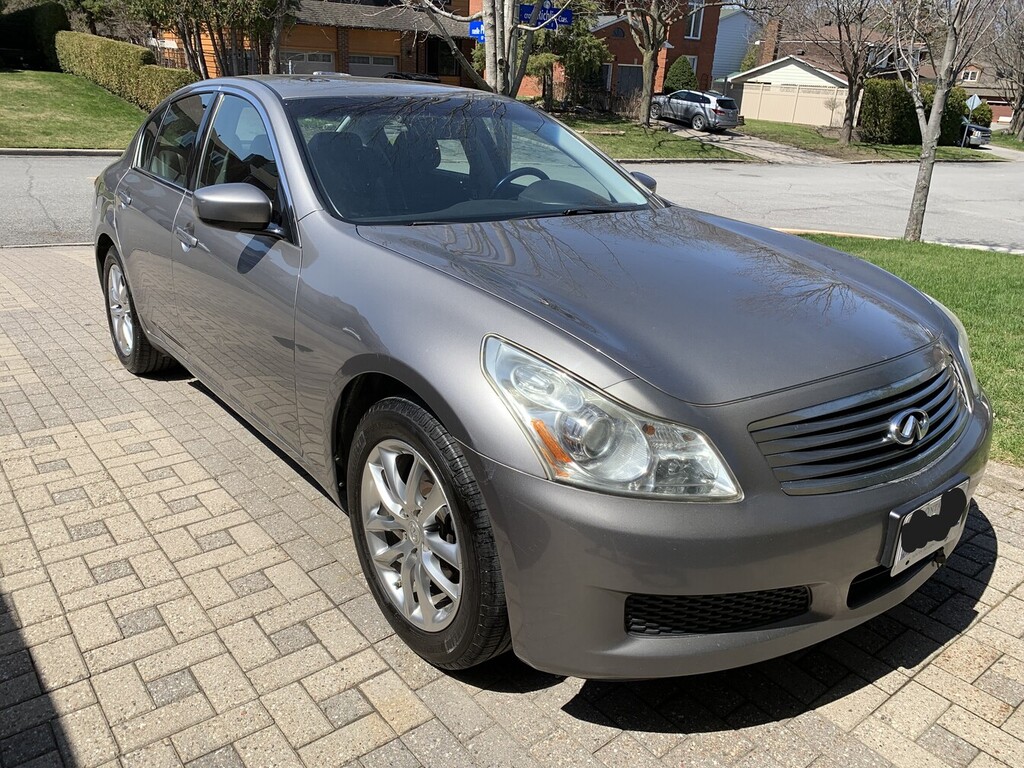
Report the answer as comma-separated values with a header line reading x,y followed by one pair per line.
x,y
235,290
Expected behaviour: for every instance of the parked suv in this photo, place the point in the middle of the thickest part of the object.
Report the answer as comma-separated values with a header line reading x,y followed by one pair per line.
x,y
975,135
703,110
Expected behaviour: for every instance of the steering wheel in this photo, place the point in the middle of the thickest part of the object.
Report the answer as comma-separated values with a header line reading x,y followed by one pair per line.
x,y
513,175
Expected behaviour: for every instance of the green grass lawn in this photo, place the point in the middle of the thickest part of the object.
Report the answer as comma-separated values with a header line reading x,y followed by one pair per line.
x,y
624,139
1006,139
986,290
807,137
50,109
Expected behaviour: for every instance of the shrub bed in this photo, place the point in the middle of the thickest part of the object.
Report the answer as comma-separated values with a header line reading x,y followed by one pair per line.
x,y
126,70
31,32
888,115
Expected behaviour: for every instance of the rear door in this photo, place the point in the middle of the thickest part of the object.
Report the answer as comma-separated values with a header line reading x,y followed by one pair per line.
x,y
235,290
148,197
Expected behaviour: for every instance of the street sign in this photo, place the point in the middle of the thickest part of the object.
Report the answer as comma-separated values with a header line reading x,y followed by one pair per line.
x,y
974,102
550,12
476,30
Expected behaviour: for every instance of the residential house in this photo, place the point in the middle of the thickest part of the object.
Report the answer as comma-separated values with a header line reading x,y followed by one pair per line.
x,y
694,37
737,31
360,37
983,80
790,90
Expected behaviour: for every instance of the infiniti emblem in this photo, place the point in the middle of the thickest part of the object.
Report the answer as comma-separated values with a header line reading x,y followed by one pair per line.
x,y
908,427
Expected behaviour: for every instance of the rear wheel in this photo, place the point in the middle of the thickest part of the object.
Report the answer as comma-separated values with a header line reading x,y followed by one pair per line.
x,y
424,537
656,111
699,123
130,342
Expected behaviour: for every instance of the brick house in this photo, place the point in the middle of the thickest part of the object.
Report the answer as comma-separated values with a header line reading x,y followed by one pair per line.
x,y
694,37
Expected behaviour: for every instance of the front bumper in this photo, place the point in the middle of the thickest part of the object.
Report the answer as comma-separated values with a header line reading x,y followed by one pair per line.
x,y
570,558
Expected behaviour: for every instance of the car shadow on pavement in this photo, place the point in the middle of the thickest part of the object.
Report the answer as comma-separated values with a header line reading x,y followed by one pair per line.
x,y
881,653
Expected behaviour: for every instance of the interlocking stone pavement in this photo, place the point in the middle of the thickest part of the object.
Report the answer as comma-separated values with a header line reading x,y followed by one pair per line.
x,y
173,592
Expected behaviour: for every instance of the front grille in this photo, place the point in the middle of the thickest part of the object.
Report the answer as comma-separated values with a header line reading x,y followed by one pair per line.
x,y
712,614
845,445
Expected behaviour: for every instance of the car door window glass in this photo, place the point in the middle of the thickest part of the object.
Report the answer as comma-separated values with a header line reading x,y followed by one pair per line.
x,y
175,141
148,140
239,151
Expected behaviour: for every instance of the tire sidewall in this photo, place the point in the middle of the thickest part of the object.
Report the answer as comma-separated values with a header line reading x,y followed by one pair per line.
x,y
446,646
112,258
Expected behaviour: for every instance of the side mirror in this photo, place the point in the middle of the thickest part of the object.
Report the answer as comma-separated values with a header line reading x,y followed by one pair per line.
x,y
235,206
647,181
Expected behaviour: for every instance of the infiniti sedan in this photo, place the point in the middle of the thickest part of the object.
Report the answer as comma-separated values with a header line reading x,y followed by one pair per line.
x,y
564,416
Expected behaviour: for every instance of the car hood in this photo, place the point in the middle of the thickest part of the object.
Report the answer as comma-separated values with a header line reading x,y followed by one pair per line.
x,y
706,309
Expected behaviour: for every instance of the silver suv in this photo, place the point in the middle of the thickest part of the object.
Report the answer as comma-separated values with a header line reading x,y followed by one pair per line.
x,y
703,110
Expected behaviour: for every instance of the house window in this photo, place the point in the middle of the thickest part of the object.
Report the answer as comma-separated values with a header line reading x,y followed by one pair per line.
x,y
358,58
695,21
440,59
618,32
971,76
693,63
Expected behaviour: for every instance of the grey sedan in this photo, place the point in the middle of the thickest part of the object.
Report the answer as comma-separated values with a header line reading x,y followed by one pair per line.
x,y
565,416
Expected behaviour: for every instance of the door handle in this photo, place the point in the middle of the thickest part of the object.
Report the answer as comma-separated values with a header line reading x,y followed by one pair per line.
x,y
186,237
125,197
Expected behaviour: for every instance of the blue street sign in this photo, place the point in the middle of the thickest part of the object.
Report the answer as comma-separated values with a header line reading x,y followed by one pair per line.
x,y
549,12
476,30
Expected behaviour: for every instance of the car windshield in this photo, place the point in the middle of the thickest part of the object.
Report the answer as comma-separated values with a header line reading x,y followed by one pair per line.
x,y
448,158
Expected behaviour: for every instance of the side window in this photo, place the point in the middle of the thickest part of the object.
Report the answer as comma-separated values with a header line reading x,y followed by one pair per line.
x,y
238,149
148,139
176,139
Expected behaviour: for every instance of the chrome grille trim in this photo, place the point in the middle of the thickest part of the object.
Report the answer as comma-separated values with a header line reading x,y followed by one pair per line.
x,y
843,445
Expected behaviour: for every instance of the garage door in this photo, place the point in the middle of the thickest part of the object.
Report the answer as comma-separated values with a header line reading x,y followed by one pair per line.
x,y
362,65
307,62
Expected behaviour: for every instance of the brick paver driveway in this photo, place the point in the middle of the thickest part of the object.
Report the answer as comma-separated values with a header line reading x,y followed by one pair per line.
x,y
175,592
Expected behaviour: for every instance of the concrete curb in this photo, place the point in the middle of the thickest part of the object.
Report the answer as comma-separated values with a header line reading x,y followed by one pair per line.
x,y
48,152
964,246
48,245
674,160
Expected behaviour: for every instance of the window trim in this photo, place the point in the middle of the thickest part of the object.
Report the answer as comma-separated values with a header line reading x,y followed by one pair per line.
x,y
966,79
695,19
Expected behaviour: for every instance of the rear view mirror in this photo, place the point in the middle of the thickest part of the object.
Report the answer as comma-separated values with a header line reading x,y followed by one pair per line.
x,y
648,181
236,206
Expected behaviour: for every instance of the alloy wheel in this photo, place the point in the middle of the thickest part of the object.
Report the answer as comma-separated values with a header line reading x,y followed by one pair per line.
x,y
122,325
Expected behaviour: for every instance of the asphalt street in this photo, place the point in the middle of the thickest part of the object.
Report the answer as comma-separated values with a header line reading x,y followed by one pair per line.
x,y
48,199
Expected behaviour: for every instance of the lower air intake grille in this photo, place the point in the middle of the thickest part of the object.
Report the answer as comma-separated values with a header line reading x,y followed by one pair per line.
x,y
711,614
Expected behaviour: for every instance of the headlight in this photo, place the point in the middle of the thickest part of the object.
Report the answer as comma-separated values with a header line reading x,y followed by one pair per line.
x,y
964,346
587,439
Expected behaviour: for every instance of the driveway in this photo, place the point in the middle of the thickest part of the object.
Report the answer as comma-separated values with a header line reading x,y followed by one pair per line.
x,y
757,148
47,199
174,592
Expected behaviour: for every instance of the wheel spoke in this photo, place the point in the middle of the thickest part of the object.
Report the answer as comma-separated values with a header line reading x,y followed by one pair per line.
x,y
410,564
385,494
433,503
378,523
443,549
411,490
389,555
431,569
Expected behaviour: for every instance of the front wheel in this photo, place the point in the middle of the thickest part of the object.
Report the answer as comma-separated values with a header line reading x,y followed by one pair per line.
x,y
424,537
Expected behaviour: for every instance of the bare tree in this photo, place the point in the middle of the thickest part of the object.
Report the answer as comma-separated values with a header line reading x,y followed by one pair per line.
x,y
1009,59
849,36
509,41
950,33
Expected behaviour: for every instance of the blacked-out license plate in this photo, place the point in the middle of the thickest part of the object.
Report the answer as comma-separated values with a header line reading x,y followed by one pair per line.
x,y
930,527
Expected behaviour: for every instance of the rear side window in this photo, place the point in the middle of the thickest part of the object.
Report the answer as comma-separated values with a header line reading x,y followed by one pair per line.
x,y
176,139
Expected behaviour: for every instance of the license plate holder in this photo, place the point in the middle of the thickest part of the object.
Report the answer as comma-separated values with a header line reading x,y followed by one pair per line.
x,y
927,528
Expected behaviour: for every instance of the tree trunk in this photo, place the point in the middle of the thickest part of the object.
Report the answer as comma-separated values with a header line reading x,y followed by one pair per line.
x,y
650,69
850,113
274,55
929,144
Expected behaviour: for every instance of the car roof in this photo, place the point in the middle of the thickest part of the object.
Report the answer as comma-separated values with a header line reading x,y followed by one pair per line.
x,y
334,84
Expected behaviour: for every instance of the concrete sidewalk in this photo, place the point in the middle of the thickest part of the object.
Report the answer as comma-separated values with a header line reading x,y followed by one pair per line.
x,y
174,592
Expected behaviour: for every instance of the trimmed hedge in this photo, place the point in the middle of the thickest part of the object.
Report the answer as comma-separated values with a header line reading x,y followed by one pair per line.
x,y
126,70
32,32
887,114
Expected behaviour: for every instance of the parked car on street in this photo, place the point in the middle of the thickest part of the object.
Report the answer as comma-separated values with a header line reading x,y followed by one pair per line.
x,y
565,416
703,110
975,135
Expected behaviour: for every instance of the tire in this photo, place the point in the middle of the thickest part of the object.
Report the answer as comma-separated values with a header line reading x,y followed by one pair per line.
x,y
131,345
459,633
699,123
656,111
